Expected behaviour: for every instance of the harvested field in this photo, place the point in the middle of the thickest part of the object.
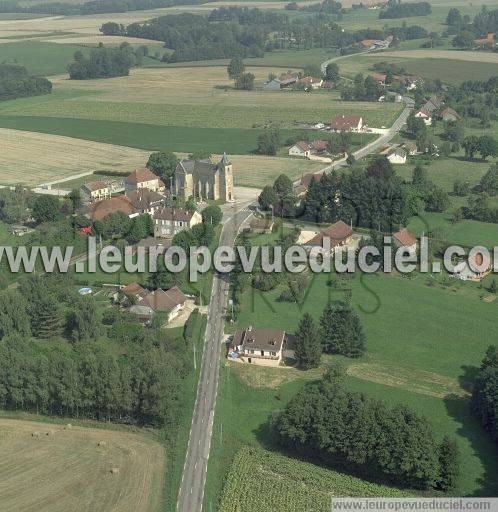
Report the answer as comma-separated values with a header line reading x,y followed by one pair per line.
x,y
32,158
49,468
445,54
108,40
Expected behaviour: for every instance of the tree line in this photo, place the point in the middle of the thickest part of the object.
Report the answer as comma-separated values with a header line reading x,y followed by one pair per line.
x,y
365,436
485,393
16,82
93,6
396,9
103,62
60,354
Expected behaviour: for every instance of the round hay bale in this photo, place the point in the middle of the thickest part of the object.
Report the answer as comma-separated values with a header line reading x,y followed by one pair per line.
x,y
35,434
69,426
115,471
101,443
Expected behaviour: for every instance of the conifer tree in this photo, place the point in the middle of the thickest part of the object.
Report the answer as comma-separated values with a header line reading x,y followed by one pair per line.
x,y
308,347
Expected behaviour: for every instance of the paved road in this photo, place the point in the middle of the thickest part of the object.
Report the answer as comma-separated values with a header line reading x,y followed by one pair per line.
x,y
191,492
194,471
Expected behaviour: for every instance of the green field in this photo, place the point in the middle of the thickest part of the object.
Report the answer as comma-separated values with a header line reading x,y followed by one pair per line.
x,y
412,358
266,482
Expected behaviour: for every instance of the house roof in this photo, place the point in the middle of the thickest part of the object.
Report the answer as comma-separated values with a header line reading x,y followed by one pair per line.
x,y
261,223
164,301
311,80
270,340
288,77
345,122
302,145
449,111
410,145
95,185
102,209
319,145
168,213
424,111
140,175
143,199
405,238
308,178
398,152
380,77
337,233
134,289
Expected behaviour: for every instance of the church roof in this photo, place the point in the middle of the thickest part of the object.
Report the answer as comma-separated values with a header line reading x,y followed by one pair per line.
x,y
203,166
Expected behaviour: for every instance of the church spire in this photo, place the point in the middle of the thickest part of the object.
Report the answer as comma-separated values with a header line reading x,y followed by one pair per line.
x,y
224,159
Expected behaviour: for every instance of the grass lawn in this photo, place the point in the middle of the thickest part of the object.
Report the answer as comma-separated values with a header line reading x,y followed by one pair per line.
x,y
412,357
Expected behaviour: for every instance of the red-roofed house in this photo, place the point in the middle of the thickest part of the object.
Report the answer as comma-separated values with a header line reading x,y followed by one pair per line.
x,y
143,178
95,191
404,238
311,82
346,124
101,209
339,234
170,302
300,148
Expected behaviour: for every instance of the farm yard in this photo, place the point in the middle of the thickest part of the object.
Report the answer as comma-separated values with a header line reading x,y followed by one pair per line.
x,y
59,469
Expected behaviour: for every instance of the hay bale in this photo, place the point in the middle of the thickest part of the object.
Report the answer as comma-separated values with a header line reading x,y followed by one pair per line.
x,y
101,443
35,434
69,426
115,471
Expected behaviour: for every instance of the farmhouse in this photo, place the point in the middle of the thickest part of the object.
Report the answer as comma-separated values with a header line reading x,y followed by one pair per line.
x,y
145,200
397,156
169,302
272,85
410,147
340,234
95,191
288,78
346,124
260,346
300,148
311,82
425,115
205,179
404,238
169,221
259,225
448,114
143,178
101,209
133,290
485,42
379,78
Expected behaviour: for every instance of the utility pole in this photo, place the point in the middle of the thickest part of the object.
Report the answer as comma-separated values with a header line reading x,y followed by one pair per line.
x,y
195,359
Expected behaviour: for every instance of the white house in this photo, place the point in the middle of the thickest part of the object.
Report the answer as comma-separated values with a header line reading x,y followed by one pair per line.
x,y
425,115
300,148
95,191
170,221
397,156
346,124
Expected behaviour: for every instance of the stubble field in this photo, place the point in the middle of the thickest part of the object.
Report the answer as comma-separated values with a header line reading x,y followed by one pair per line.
x,y
50,468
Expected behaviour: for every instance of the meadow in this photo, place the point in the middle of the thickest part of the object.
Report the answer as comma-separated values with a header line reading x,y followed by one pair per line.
x,y
79,461
412,358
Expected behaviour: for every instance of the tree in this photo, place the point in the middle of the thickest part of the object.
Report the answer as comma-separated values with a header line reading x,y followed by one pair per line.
x,y
269,141
462,188
380,168
307,349
488,146
493,287
267,198
449,465
75,199
464,40
454,17
163,164
162,278
235,68
332,72
200,154
420,178
84,320
312,70
46,209
471,145
489,182
245,82
212,214
416,126
283,186
13,314
437,200
139,227
453,131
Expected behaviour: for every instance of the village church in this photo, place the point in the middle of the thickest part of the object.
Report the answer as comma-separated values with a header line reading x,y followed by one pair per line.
x,y
204,179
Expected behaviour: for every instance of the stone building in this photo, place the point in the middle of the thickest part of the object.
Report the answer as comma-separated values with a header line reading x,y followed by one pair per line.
x,y
204,179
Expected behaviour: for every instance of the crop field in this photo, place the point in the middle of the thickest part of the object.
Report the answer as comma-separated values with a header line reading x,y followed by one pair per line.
x,y
261,481
59,469
447,65
47,158
197,97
